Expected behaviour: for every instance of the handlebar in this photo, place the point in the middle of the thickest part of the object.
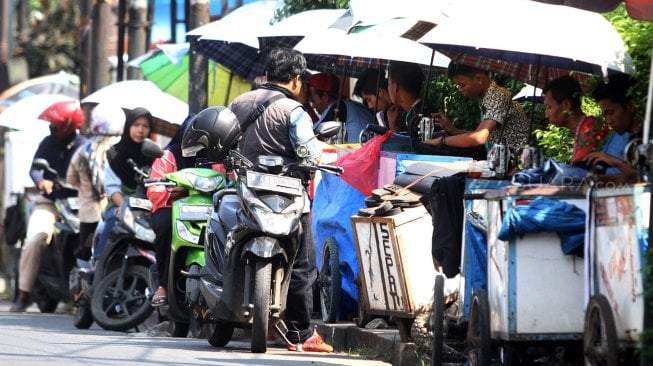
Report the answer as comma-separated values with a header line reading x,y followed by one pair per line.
x,y
332,168
138,170
157,181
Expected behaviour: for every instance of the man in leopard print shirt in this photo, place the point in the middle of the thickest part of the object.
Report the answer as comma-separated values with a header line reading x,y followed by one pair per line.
x,y
501,116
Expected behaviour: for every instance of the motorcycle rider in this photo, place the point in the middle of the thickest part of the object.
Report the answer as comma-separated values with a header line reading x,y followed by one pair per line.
x,y
119,177
86,170
65,119
162,198
284,125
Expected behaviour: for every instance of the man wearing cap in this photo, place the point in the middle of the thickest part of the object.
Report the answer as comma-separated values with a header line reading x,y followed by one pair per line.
x,y
325,96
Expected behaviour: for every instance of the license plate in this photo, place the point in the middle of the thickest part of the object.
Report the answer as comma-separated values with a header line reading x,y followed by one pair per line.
x,y
140,203
275,183
194,212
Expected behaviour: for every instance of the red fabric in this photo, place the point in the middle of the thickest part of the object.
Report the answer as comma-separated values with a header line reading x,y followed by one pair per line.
x,y
589,135
325,82
158,194
362,166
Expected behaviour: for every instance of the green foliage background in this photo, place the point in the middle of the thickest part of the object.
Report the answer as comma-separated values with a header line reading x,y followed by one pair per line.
x,y
49,44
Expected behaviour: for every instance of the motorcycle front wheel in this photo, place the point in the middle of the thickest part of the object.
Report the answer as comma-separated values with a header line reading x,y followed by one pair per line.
x,y
83,318
261,310
123,307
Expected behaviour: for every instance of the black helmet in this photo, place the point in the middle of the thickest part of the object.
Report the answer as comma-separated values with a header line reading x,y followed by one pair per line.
x,y
212,133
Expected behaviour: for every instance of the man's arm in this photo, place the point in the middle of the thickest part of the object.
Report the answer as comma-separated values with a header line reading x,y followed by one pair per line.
x,y
301,132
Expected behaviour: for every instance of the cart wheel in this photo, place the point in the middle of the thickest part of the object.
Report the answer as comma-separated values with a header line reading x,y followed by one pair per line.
x,y
438,321
600,337
363,317
329,281
478,330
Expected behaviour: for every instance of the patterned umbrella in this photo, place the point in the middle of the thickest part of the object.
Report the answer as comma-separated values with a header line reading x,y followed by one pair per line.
x,y
530,41
232,41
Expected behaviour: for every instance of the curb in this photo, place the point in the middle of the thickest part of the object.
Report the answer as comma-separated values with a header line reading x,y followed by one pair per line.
x,y
386,343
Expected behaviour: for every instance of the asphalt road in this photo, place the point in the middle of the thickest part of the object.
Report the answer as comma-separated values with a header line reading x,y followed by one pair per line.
x,y
33,338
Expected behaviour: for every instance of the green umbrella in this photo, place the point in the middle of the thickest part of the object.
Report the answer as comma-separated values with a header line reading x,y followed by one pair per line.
x,y
167,67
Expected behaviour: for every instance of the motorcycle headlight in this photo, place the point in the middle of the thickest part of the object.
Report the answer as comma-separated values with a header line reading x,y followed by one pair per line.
x,y
183,233
141,232
281,220
205,184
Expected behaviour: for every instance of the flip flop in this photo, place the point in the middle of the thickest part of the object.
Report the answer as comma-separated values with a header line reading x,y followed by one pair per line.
x,y
159,300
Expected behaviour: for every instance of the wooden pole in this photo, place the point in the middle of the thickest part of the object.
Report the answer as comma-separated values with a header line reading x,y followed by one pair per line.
x,y
197,63
99,34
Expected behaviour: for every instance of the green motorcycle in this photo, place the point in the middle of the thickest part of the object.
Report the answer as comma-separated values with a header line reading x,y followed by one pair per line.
x,y
189,217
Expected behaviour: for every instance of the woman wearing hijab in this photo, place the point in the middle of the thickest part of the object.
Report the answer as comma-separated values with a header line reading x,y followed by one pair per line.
x,y
119,177
162,198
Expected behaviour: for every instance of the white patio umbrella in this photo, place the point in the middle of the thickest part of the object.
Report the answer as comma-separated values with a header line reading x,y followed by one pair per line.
x,y
372,46
528,40
23,114
288,31
130,94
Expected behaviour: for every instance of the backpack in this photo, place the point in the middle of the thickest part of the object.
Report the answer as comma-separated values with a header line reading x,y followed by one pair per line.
x,y
15,226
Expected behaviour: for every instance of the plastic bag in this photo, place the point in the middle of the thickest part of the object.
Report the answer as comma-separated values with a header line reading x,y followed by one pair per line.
x,y
362,166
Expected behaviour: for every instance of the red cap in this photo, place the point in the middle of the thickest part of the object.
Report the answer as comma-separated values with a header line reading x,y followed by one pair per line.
x,y
325,82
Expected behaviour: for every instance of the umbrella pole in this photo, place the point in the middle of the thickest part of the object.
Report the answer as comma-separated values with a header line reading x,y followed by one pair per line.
x,y
647,116
531,140
428,80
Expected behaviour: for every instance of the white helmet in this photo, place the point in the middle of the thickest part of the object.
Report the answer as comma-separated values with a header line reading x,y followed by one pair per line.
x,y
107,119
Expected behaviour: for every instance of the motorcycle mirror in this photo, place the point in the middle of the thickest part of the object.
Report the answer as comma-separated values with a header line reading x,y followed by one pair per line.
x,y
151,149
328,129
41,164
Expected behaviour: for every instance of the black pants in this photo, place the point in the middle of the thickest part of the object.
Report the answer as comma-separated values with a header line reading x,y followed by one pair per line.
x,y
446,207
300,291
161,223
86,232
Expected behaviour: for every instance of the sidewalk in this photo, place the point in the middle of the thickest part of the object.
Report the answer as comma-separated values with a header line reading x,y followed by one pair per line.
x,y
383,344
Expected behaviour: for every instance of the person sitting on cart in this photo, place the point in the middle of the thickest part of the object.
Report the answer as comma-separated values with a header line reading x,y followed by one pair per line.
x,y
562,108
502,118
615,101
325,96
372,87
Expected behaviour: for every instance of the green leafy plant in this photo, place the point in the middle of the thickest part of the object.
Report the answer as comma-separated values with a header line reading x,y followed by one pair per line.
x,y
555,142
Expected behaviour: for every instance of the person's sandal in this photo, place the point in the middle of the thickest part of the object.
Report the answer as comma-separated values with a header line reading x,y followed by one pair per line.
x,y
314,343
160,298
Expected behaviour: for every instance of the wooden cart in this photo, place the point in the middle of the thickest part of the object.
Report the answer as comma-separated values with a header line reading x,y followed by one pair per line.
x,y
394,257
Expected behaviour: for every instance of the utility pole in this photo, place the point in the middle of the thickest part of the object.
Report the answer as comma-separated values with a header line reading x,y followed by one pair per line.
x,y
137,34
5,51
197,63
85,11
99,34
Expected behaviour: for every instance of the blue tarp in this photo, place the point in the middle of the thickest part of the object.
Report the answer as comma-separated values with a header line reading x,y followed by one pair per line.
x,y
334,203
547,215
551,172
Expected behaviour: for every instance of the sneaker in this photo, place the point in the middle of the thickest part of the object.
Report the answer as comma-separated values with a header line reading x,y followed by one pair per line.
x,y
314,343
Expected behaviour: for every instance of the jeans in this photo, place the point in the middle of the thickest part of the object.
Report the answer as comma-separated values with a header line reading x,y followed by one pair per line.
x,y
300,290
110,220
